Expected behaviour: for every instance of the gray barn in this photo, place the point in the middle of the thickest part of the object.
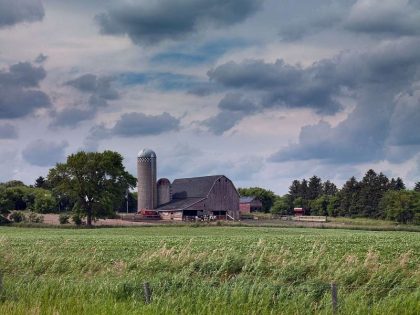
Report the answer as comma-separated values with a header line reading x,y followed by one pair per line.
x,y
212,197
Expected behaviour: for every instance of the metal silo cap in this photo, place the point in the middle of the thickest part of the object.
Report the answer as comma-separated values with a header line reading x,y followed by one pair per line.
x,y
146,153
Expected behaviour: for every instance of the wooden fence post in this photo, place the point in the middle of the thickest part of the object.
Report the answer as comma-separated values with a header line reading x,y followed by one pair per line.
x,y
334,298
147,292
1,284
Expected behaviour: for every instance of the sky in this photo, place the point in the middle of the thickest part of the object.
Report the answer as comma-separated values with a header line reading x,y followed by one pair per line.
x,y
262,91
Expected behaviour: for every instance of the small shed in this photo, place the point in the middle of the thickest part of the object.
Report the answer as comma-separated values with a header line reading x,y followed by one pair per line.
x,y
248,204
299,212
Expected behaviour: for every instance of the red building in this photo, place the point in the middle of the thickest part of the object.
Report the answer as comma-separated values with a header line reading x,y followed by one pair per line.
x,y
249,204
299,212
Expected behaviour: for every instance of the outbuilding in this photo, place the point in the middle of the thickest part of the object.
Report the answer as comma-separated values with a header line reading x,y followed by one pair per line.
x,y
248,204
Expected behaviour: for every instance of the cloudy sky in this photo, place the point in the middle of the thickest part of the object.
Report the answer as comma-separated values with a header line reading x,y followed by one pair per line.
x,y
263,91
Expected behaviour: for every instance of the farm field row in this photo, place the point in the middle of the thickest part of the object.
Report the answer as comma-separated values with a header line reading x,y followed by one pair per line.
x,y
208,270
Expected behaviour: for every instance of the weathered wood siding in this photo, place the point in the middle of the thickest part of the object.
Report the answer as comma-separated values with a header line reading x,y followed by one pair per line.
x,y
223,197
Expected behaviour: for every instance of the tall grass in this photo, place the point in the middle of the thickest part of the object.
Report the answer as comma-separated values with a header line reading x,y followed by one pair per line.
x,y
214,270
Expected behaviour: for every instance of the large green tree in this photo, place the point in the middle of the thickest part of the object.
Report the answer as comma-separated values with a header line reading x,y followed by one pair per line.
x,y
96,182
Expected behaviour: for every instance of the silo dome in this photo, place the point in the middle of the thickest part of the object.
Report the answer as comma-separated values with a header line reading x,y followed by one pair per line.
x,y
146,153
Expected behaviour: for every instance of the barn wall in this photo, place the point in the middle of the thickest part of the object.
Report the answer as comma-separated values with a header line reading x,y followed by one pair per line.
x,y
171,215
223,197
245,208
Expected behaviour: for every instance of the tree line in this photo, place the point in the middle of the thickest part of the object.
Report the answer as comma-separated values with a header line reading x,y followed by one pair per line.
x,y
375,196
94,185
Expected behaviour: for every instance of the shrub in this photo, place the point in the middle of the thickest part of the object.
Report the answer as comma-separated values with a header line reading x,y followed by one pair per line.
x,y
44,202
35,218
76,219
4,220
64,218
17,216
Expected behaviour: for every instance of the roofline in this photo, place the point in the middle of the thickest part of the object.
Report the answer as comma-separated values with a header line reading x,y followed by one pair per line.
x,y
181,209
214,183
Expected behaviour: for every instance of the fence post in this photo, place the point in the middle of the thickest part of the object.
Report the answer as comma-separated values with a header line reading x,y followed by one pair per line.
x,y
1,284
147,292
334,298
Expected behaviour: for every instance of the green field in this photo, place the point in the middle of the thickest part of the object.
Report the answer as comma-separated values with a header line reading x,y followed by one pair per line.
x,y
208,270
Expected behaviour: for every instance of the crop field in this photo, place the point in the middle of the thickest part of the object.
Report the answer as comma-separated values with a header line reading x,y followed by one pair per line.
x,y
208,270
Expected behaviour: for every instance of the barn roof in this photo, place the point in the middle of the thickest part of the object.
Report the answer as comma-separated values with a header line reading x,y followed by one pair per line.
x,y
179,204
195,187
246,199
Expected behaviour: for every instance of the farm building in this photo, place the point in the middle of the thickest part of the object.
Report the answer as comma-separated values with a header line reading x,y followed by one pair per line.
x,y
248,204
213,197
298,212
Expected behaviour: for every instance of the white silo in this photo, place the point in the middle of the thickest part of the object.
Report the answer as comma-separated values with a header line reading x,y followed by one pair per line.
x,y
146,180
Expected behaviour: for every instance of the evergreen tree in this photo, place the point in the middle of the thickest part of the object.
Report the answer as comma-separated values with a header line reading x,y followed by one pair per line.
x,y
396,184
417,187
314,188
329,188
303,189
294,189
373,187
348,197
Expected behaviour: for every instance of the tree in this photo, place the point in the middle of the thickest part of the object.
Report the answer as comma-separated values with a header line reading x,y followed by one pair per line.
x,y
329,188
319,206
267,197
401,205
294,189
417,187
282,206
348,197
396,184
314,188
41,182
96,182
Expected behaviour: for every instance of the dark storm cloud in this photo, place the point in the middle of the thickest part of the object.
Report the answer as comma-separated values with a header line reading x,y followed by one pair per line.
x,y
153,22
8,131
17,11
44,153
375,79
389,17
19,93
281,84
137,124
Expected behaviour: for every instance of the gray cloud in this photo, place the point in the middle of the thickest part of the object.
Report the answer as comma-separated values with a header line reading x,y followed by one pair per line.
x,y
153,22
98,86
13,11
132,125
137,124
71,117
8,131
41,58
384,17
281,84
44,153
19,95
233,108
100,90
405,127
376,78
311,17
